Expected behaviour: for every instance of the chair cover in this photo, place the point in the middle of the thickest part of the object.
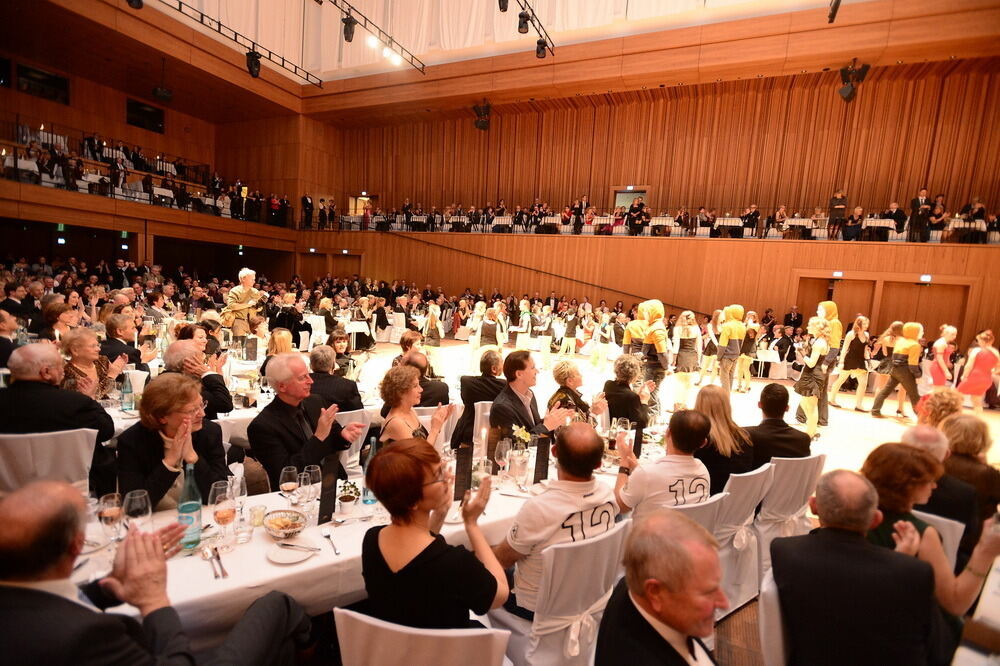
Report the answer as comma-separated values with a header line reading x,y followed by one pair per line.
x,y
737,542
770,624
60,456
304,341
365,641
577,581
351,458
706,513
444,437
480,425
778,371
783,511
234,428
950,530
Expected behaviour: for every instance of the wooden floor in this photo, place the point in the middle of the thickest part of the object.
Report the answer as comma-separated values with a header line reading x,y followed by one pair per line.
x,y
737,641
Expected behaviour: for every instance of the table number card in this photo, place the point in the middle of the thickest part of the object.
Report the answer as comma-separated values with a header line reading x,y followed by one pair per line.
x,y
463,471
541,461
328,494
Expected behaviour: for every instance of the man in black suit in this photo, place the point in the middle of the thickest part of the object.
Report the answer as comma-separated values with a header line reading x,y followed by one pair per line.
x,y
295,429
897,215
8,327
515,405
121,333
847,601
121,277
334,390
552,301
774,438
307,211
952,498
183,357
793,318
484,388
434,391
35,403
49,620
13,302
920,212
658,614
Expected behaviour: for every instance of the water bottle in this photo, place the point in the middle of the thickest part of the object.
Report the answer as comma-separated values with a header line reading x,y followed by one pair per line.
x,y
128,396
367,496
189,510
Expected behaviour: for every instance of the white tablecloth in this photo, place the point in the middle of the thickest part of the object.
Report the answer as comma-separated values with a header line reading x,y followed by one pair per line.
x,y
873,222
662,222
166,167
163,192
957,224
728,222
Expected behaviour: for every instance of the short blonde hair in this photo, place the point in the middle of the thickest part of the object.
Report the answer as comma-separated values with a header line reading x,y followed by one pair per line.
x,y
325,303
280,342
165,394
74,338
939,405
289,298
563,370
967,434
396,382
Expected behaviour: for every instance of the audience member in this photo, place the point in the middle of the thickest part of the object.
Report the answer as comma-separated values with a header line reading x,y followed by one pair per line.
x,y
280,343
334,390
121,337
515,405
47,619
87,371
412,575
676,479
666,603
294,430
623,402
847,601
8,341
969,440
483,388
938,405
729,450
569,381
774,438
35,403
183,357
575,498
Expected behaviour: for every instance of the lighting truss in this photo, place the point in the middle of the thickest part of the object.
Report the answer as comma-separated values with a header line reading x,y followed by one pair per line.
x,y
347,9
539,28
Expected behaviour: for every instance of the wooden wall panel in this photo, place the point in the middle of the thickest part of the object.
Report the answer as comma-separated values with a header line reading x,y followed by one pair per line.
x,y
786,140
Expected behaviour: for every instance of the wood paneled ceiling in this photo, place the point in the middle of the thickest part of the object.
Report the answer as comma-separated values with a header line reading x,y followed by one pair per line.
x,y
98,40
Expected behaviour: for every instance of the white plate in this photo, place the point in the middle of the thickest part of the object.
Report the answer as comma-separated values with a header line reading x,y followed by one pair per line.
x,y
280,555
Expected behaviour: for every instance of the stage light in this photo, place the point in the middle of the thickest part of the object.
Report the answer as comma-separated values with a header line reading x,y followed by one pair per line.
x,y
861,73
847,92
135,4
845,75
503,5
240,253
253,63
372,41
522,22
396,59
386,51
540,48
349,23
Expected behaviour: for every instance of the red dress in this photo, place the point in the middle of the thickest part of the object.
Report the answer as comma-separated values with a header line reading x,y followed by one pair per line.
x,y
981,376
937,374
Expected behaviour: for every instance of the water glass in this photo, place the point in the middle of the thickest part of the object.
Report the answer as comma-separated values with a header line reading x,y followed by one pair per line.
x,y
244,526
138,510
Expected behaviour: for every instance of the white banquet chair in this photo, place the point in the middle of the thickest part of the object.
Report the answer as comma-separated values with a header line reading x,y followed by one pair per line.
x,y
577,581
704,513
771,627
365,641
351,458
59,456
426,413
783,511
480,424
737,542
951,532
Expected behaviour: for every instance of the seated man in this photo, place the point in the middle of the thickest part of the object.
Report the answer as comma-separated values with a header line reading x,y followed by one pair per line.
x,y
515,405
774,438
845,600
295,430
951,498
183,357
35,403
576,506
484,388
8,333
121,336
48,620
666,603
434,392
676,479
334,390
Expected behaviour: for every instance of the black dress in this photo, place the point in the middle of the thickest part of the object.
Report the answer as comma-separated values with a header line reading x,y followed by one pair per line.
x,y
435,590
812,382
854,358
687,356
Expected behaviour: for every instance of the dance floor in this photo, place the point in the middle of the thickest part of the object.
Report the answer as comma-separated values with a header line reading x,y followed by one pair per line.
x,y
846,441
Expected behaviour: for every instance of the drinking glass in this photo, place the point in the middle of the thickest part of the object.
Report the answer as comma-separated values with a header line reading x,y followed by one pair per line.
x,y
239,489
288,483
315,473
244,526
220,497
138,510
480,470
109,513
501,454
305,490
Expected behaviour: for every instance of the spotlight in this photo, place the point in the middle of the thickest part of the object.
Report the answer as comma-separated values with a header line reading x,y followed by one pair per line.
x,y
503,5
522,22
349,23
135,4
540,48
253,63
847,92
386,51
861,73
482,112
396,59
845,75
372,41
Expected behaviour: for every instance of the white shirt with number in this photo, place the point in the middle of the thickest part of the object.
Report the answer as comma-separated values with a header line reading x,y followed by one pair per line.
x,y
672,480
567,511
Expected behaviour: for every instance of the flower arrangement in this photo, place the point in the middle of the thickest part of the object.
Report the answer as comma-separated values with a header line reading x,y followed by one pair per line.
x,y
349,488
522,434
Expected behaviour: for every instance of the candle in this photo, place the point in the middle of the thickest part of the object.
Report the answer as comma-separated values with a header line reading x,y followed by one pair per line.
x,y
483,435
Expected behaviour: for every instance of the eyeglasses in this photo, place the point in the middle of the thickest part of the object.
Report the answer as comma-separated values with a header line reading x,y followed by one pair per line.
x,y
442,476
192,412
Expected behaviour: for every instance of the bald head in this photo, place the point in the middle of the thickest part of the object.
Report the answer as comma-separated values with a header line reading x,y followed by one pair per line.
x,y
178,352
931,440
417,360
657,547
579,449
37,362
845,500
41,531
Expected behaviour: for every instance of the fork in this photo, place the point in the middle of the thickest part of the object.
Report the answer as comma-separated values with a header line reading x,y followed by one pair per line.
x,y
218,560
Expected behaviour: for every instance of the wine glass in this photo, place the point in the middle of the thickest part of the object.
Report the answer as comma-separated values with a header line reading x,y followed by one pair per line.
x,y
220,497
501,454
288,483
138,510
238,484
305,489
315,473
109,513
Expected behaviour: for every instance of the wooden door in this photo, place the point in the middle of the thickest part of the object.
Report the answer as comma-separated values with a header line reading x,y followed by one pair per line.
x,y
853,297
932,305
311,266
811,292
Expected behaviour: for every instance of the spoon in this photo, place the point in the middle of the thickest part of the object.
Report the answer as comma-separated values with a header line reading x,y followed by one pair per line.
x,y
325,531
344,521
206,554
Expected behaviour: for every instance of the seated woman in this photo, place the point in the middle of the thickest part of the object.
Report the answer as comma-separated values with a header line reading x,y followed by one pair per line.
x,y
728,450
412,576
172,432
341,343
569,379
938,405
60,319
280,343
852,228
195,332
87,371
326,311
291,316
905,475
969,440
400,389
623,402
